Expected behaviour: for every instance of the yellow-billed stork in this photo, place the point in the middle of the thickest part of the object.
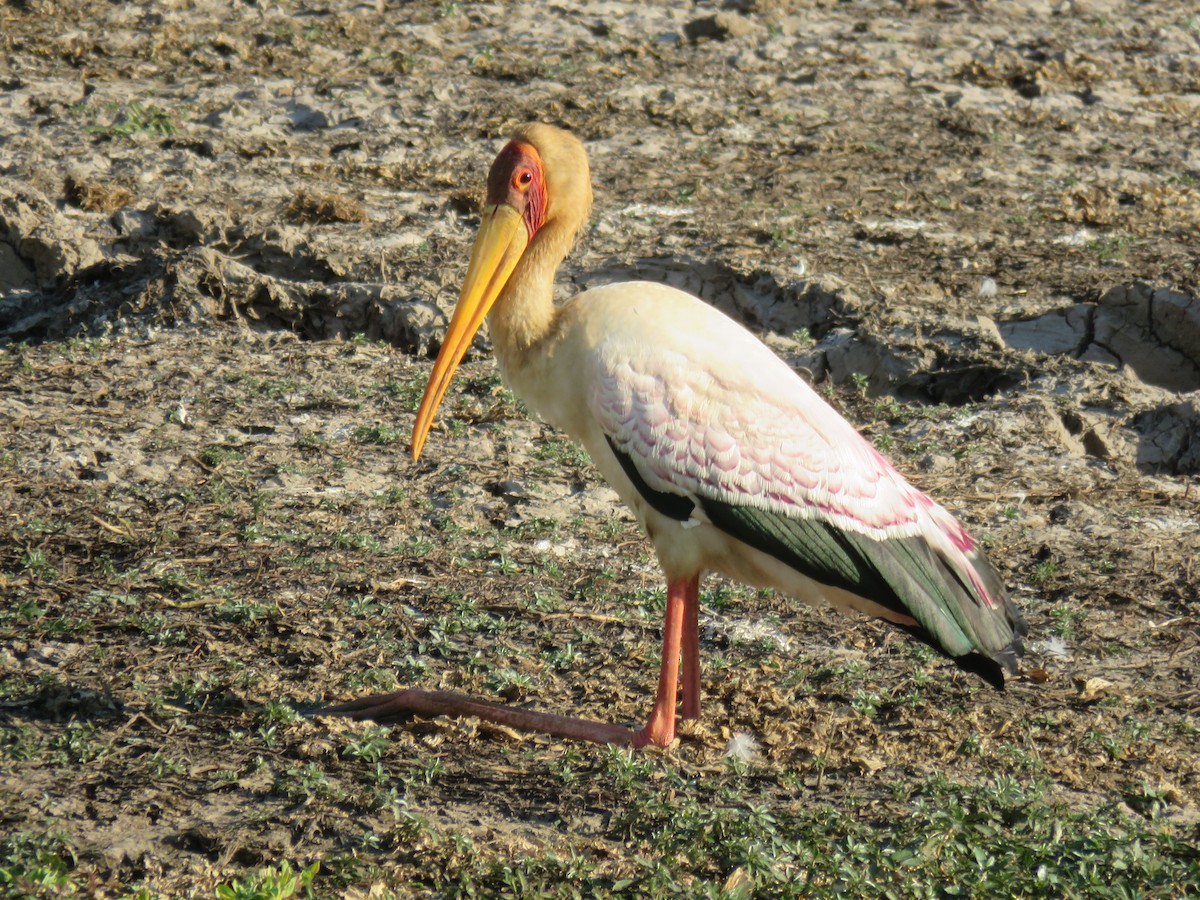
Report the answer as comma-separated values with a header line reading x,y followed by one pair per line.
x,y
732,463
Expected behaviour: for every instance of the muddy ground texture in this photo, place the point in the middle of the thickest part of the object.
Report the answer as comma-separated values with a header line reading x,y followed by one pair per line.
x,y
229,237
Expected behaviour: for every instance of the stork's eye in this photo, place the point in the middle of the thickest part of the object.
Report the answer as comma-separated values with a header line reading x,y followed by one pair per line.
x,y
523,179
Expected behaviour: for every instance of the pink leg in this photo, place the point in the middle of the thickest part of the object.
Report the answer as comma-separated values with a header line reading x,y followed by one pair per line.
x,y
691,650
680,633
660,730
401,706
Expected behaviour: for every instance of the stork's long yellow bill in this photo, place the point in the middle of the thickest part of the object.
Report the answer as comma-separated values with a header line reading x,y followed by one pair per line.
x,y
502,239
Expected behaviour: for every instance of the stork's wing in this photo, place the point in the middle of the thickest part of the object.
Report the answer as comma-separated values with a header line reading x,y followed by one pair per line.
x,y
742,442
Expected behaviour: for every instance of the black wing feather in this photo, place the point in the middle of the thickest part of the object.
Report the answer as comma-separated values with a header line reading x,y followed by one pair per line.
x,y
903,574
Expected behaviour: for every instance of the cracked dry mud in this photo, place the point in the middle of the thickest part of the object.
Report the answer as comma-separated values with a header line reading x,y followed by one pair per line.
x,y
975,225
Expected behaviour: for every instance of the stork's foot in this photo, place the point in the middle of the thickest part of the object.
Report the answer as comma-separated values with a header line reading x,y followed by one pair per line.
x,y
658,732
651,736
401,706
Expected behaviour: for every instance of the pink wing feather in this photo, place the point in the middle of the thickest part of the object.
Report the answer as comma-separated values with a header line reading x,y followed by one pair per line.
x,y
750,431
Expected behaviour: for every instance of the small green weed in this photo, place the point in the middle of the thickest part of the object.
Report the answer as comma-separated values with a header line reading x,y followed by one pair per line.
x,y
37,865
216,455
270,883
370,745
565,452
136,118
304,784
376,434
1066,620
1043,573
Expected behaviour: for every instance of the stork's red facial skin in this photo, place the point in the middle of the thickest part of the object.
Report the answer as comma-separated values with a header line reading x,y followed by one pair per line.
x,y
518,179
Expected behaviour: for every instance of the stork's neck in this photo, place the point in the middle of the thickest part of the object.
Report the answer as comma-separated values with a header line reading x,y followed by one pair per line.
x,y
523,316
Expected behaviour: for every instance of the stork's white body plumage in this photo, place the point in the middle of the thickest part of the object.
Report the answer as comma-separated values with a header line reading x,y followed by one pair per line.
x,y
710,411
731,461
666,402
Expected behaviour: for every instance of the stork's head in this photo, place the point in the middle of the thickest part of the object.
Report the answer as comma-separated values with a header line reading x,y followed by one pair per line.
x,y
559,175
539,182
